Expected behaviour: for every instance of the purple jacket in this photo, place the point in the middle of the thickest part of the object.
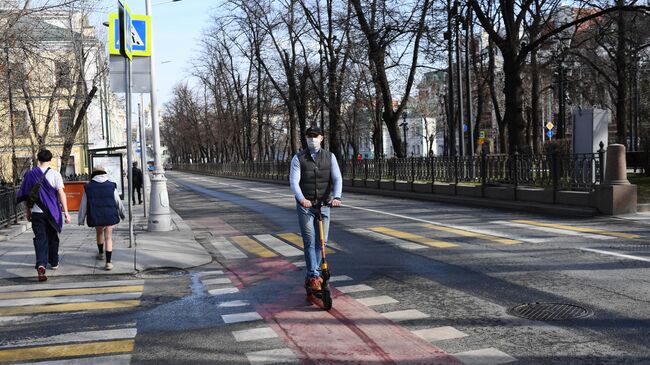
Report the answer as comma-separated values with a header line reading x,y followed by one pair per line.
x,y
49,201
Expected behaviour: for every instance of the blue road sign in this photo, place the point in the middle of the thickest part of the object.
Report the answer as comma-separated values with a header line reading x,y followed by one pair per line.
x,y
464,127
140,35
549,133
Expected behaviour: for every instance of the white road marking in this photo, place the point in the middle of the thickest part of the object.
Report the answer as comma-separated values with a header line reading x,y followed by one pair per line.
x,y
68,299
227,249
439,333
75,285
393,241
270,356
206,273
622,255
380,300
254,334
216,281
279,246
300,264
88,336
354,288
335,279
489,356
241,317
563,232
223,291
405,315
233,303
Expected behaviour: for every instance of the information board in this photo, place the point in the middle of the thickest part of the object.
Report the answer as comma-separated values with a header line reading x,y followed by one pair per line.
x,y
114,169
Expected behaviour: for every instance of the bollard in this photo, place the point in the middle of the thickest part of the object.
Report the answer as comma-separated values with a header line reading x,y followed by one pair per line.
x,y
616,166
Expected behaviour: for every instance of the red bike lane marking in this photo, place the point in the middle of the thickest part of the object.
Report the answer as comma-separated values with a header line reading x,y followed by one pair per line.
x,y
350,333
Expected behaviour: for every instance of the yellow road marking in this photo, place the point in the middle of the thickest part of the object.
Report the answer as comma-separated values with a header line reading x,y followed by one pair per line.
x,y
413,237
579,229
296,240
68,307
66,292
465,233
252,246
71,350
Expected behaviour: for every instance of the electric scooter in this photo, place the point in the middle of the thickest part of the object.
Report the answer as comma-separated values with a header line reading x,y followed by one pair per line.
x,y
324,294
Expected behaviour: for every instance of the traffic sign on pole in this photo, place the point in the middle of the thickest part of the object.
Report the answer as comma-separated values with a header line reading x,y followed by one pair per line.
x,y
549,133
140,35
550,125
125,43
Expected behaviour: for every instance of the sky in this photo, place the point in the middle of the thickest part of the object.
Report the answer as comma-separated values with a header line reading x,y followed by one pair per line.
x,y
177,29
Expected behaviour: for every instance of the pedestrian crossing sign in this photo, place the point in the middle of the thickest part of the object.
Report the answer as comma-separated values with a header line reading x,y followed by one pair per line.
x,y
140,35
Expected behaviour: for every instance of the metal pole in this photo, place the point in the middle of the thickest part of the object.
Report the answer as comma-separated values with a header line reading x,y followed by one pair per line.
x,y
129,137
159,215
560,124
468,82
143,155
14,165
459,79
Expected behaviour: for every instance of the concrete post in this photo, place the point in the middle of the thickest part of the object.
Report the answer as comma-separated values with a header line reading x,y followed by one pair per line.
x,y
616,195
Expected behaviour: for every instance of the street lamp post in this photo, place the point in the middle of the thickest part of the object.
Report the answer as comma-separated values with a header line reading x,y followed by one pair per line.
x,y
159,215
404,126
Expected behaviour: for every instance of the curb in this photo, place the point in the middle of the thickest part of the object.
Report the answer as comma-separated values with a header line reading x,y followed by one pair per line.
x,y
14,230
529,207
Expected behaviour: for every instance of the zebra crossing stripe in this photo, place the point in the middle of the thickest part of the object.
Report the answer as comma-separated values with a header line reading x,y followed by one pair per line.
x,y
554,230
271,356
66,350
69,292
227,249
254,334
216,281
580,229
473,234
406,245
75,285
253,247
297,241
413,237
68,299
101,360
279,246
87,336
68,307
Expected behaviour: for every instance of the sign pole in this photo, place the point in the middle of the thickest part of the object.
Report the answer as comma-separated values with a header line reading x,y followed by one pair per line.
x,y
143,156
129,147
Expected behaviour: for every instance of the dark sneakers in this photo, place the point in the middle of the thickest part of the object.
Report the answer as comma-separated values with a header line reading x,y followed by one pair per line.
x,y
41,273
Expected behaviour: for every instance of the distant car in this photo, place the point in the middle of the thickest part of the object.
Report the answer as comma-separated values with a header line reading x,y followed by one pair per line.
x,y
167,166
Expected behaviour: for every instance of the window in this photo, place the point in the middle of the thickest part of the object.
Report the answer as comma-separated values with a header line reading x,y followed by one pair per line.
x,y
63,74
65,121
20,123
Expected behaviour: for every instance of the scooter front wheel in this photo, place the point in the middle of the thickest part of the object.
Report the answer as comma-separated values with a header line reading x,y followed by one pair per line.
x,y
327,299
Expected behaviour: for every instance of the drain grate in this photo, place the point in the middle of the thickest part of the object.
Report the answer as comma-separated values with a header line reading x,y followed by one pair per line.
x,y
161,272
549,311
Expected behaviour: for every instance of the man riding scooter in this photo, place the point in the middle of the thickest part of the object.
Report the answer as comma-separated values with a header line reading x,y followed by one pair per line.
x,y
315,178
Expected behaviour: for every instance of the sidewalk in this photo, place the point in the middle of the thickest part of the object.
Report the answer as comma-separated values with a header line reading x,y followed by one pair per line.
x,y
78,249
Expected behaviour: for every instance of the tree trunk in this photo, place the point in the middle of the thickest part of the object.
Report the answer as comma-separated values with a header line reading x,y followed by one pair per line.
x,y
513,92
534,101
621,75
72,134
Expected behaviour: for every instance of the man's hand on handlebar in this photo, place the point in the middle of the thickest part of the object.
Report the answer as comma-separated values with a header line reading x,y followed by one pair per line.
x,y
305,203
336,203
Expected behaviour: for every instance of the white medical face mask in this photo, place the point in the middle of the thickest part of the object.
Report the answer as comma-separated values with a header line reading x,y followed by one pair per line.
x,y
313,143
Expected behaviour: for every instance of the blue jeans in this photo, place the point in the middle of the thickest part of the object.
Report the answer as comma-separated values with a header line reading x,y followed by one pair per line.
x,y
311,237
46,241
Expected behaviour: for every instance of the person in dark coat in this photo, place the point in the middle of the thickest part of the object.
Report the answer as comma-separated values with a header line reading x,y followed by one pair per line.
x,y
102,208
137,183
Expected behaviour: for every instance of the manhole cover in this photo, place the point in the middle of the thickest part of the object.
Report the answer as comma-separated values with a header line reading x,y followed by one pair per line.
x,y
549,311
161,272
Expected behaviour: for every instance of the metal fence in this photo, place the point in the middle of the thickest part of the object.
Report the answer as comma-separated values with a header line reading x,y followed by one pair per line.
x,y
9,212
574,172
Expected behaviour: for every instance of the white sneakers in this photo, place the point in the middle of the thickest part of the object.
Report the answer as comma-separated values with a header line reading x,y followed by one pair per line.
x,y
109,266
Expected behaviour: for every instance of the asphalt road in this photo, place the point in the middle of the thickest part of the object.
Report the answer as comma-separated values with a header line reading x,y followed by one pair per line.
x,y
415,283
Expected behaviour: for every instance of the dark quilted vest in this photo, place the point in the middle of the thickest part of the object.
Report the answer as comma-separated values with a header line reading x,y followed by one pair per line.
x,y
102,208
315,176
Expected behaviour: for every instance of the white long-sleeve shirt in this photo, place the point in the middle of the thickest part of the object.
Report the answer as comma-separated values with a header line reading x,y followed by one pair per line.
x,y
335,173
